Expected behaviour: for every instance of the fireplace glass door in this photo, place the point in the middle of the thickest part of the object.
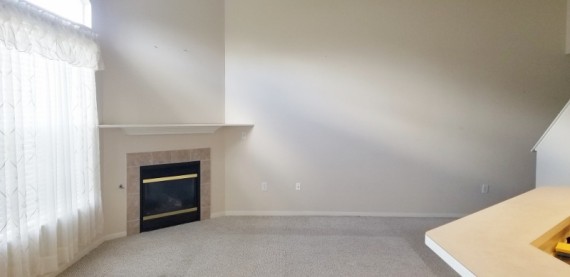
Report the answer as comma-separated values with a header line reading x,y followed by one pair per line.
x,y
170,195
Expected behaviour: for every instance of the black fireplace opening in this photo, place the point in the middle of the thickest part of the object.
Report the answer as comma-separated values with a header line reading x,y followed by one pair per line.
x,y
170,195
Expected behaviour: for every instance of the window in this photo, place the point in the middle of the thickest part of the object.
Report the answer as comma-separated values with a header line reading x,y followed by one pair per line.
x,y
50,193
78,11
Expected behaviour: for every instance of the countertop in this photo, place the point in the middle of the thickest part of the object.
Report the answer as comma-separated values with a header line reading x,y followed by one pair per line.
x,y
506,239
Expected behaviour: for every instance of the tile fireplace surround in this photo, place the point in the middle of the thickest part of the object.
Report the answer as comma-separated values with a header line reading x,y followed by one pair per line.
x,y
136,160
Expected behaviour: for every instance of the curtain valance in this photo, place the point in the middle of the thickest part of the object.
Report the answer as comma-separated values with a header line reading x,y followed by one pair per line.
x,y
27,28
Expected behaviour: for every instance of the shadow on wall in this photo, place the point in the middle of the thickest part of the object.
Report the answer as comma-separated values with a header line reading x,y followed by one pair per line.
x,y
412,105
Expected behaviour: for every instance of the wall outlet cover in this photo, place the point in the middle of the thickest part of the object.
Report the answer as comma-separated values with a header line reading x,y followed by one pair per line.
x,y
264,186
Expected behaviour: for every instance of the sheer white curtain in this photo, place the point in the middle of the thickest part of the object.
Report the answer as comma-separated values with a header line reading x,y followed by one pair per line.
x,y
50,203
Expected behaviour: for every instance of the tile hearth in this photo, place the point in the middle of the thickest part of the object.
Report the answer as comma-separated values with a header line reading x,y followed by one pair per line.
x,y
136,160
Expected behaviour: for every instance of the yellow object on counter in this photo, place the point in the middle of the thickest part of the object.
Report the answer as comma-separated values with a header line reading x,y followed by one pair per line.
x,y
562,247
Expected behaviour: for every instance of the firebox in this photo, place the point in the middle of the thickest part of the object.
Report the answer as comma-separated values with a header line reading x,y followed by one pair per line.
x,y
170,195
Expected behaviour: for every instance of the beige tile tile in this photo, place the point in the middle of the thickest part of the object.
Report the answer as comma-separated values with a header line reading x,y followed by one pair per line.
x,y
161,157
205,165
133,207
138,159
193,154
133,227
179,156
205,188
205,201
200,154
205,213
205,176
133,180
190,154
205,196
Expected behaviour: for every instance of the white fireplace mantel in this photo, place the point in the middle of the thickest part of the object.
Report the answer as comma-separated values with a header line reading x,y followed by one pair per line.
x,y
171,129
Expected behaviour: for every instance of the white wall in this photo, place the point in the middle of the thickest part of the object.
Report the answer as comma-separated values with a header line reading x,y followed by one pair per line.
x,y
164,63
553,153
389,106
374,106
164,60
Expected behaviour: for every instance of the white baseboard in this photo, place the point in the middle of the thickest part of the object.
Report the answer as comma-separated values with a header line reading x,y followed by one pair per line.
x,y
321,213
86,251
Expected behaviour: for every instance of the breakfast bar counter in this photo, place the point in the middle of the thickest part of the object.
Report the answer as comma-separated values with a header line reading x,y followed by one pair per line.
x,y
513,238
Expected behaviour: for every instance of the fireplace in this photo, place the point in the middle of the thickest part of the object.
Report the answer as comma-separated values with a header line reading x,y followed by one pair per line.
x,y
142,159
170,195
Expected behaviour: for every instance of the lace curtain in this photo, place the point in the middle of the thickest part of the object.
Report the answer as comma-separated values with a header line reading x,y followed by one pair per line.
x,y
26,28
50,202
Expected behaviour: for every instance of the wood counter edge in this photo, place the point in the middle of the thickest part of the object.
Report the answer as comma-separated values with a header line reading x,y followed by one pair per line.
x,y
447,258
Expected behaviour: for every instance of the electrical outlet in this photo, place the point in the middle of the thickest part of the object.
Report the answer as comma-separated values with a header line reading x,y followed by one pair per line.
x,y
484,188
298,186
264,186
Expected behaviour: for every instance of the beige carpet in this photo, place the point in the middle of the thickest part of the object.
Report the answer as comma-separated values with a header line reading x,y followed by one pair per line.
x,y
273,246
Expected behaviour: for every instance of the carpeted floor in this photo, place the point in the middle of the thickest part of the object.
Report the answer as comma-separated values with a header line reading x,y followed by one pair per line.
x,y
273,246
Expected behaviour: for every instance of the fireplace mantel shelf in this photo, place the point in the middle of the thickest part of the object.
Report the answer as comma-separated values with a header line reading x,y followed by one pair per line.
x,y
171,129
